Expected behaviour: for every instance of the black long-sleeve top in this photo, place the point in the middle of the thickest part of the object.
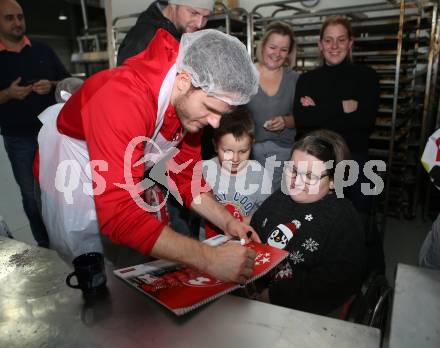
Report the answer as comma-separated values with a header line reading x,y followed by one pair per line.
x,y
327,255
328,86
140,35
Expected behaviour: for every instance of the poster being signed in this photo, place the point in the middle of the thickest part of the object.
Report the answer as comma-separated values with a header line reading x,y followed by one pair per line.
x,y
182,289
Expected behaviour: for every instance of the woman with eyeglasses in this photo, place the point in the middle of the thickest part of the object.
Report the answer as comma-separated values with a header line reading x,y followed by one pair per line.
x,y
323,233
342,97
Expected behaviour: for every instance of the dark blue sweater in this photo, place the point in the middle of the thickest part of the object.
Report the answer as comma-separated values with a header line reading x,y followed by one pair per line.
x,y
36,62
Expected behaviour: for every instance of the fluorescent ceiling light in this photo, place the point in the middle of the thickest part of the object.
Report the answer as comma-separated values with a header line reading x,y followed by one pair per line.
x,y
62,16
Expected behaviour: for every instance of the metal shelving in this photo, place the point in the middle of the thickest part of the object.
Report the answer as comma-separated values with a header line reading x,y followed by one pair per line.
x,y
400,41
230,21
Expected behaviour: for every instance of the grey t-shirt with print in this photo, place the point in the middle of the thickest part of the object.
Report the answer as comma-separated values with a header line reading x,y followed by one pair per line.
x,y
245,191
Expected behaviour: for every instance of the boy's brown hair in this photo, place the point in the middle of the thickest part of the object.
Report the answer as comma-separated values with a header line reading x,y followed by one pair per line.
x,y
238,123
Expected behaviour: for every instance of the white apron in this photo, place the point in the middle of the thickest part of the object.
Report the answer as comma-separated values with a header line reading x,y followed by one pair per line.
x,y
68,207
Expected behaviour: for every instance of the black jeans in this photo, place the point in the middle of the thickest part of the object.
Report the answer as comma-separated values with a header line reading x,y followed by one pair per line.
x,y
361,202
21,152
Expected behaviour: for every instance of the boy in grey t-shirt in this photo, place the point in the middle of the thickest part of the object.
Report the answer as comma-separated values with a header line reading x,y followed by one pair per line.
x,y
238,183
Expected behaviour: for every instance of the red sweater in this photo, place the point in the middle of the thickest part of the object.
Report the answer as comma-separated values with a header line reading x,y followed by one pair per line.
x,y
113,107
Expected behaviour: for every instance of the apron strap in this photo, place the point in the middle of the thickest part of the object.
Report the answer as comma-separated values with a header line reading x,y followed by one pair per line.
x,y
164,98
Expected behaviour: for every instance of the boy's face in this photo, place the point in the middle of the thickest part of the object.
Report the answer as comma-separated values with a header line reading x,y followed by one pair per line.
x,y
233,153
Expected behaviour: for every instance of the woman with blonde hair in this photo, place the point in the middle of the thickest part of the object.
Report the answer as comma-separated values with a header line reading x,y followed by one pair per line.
x,y
271,109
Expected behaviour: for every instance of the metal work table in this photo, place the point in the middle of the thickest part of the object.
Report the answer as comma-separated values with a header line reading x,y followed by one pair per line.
x,y
37,309
416,309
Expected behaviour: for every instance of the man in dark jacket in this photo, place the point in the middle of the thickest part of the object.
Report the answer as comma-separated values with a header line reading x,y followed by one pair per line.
x,y
175,16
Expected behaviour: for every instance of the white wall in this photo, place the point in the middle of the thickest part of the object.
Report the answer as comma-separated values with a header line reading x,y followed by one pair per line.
x,y
123,7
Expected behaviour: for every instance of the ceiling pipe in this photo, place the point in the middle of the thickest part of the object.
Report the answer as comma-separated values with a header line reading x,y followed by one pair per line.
x,y
84,16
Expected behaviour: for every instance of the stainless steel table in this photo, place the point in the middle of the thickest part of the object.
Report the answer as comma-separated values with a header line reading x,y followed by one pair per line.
x,y
416,309
37,309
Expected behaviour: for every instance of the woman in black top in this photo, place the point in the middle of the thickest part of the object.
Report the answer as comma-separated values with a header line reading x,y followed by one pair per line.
x,y
340,96
323,233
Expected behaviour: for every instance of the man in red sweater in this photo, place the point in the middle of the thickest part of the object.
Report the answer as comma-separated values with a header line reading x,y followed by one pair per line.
x,y
167,94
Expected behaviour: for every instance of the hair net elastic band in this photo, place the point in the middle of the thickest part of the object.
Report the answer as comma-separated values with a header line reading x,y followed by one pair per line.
x,y
66,87
205,4
219,64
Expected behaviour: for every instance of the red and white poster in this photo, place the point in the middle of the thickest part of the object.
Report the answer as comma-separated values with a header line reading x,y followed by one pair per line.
x,y
182,289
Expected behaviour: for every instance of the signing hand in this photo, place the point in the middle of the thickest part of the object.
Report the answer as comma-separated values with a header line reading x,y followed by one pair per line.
x,y
349,106
42,87
15,91
307,101
236,228
275,124
231,262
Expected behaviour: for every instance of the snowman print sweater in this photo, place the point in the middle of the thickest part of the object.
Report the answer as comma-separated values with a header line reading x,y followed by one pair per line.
x,y
327,254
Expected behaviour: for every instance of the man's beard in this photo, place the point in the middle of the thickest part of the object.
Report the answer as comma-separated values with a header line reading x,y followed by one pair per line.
x,y
186,122
180,29
184,117
16,37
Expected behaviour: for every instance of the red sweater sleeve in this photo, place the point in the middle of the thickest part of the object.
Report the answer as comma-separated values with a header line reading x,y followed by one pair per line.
x,y
111,119
189,181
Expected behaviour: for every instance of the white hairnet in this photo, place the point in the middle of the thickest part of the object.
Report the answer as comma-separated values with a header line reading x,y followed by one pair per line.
x,y
219,64
206,4
66,87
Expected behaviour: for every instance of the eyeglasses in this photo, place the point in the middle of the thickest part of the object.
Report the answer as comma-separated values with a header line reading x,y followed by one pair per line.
x,y
307,178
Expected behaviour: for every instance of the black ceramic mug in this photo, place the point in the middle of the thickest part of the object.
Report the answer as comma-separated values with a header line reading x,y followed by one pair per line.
x,y
89,272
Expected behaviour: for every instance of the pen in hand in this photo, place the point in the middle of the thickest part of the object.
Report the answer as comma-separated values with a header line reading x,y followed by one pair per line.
x,y
248,235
